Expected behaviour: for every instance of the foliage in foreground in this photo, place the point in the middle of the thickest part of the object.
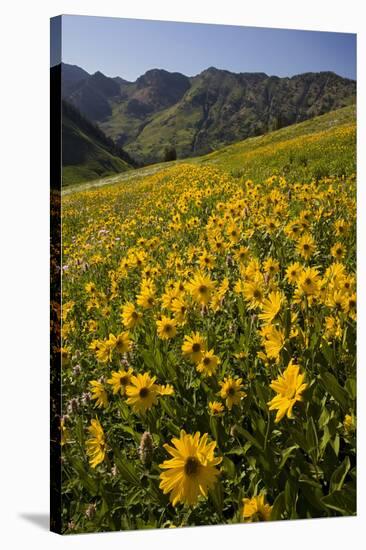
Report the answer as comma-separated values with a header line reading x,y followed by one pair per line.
x,y
208,351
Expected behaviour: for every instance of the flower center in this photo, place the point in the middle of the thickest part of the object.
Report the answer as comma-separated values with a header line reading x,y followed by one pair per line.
x,y
134,315
231,391
206,361
144,392
202,289
306,247
196,347
124,380
257,294
191,466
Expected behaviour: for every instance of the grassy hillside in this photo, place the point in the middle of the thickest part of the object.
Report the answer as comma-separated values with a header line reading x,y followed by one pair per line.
x,y
319,147
86,153
323,146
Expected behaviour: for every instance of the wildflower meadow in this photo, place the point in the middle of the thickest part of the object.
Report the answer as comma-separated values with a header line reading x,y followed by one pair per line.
x,y
208,348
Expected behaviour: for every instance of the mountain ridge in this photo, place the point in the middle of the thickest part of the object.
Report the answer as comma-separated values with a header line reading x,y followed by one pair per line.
x,y
201,113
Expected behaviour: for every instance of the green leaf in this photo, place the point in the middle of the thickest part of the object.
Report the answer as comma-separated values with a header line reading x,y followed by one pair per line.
x,y
217,497
290,496
331,385
228,466
286,455
125,469
79,430
88,482
213,426
312,438
338,477
335,444
351,388
249,437
279,507
343,501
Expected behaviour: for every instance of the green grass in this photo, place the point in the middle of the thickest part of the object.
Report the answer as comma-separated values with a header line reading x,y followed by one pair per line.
x,y
88,158
322,146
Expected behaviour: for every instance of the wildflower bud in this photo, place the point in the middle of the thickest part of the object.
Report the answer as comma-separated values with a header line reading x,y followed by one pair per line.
x,y
114,470
73,405
231,328
229,261
146,449
234,432
76,370
71,525
86,397
124,362
90,511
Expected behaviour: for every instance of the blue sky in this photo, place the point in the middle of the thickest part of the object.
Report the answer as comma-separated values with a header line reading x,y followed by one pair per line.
x,y
130,47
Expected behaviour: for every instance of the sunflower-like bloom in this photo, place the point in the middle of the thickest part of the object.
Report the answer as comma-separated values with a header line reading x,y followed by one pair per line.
x,y
180,308
120,379
254,292
256,509
166,328
201,288
242,254
309,282
351,305
194,347
289,386
306,246
191,472
166,390
99,393
64,432
271,266
216,408
142,393
146,298
95,445
349,424
270,307
231,391
103,350
208,363
293,272
219,295
121,343
206,260
273,341
130,316
338,251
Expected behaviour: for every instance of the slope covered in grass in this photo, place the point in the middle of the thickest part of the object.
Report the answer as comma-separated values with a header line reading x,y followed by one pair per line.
x,y
87,153
323,146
